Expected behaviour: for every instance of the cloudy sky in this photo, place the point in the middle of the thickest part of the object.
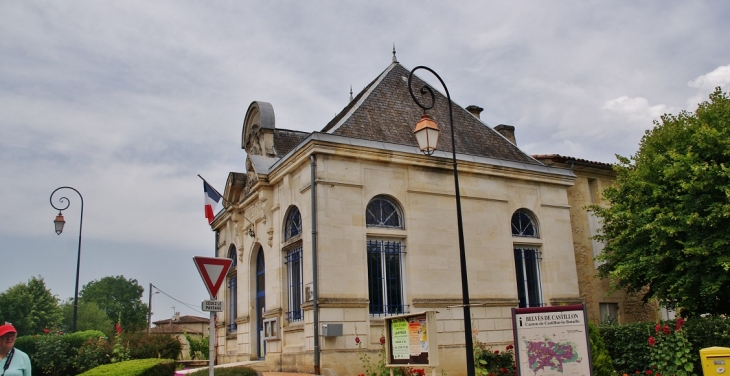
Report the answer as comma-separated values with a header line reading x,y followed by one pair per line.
x,y
128,101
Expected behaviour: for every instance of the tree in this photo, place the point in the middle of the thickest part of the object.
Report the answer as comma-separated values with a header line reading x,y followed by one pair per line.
x,y
90,317
30,307
119,298
666,229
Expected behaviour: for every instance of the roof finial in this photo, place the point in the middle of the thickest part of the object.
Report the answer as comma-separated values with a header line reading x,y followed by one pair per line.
x,y
395,59
350,92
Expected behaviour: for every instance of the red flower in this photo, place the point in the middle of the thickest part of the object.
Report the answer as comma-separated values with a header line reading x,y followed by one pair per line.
x,y
510,347
648,372
502,369
118,328
46,331
652,342
637,372
657,328
666,329
680,322
382,340
496,351
357,340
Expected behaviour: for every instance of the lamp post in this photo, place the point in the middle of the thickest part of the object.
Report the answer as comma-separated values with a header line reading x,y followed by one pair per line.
x,y
59,222
426,133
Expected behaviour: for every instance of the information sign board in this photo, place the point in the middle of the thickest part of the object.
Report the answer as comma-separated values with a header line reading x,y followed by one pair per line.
x,y
408,339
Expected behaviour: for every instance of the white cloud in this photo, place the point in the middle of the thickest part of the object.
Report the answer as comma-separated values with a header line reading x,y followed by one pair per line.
x,y
718,77
636,109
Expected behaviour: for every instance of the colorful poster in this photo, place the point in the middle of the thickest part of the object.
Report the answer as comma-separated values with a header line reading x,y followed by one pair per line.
x,y
399,338
552,342
414,336
424,335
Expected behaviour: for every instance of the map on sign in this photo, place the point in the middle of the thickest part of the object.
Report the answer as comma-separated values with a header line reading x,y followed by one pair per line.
x,y
552,341
550,355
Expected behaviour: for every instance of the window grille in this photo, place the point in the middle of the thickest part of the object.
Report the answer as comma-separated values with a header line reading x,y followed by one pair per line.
x,y
293,261
527,267
609,313
385,268
232,303
383,212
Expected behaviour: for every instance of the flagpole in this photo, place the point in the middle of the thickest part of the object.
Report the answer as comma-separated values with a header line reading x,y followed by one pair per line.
x,y
223,197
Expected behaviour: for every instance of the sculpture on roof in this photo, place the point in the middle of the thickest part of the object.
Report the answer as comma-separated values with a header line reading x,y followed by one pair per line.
x,y
258,129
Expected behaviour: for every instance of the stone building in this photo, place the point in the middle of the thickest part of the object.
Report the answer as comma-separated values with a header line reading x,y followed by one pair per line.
x,y
602,305
356,216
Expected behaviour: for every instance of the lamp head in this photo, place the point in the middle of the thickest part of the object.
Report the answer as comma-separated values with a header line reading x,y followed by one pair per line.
x,y
58,223
427,134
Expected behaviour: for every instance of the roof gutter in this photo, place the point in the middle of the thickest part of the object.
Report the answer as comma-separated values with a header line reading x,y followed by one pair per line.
x,y
315,287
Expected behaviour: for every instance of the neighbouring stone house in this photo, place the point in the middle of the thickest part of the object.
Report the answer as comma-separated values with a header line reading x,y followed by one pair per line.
x,y
195,326
602,305
357,216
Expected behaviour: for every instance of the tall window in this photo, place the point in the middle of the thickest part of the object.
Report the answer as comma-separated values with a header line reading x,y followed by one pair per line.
x,y
293,261
232,290
385,259
527,260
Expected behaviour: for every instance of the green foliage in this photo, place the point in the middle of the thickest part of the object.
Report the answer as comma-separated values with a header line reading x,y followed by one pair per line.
x,y
120,350
494,362
199,348
93,353
600,357
665,228
30,307
627,346
51,355
88,317
119,298
671,352
228,371
140,367
630,351
142,346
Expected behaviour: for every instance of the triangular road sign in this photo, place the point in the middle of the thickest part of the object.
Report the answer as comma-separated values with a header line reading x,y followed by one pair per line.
x,y
213,270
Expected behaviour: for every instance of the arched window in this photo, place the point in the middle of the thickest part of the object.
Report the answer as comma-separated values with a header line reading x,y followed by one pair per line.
x,y
232,290
293,225
527,259
385,259
383,212
294,267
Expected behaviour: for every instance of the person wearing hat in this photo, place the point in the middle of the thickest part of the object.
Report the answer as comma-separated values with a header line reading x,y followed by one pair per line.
x,y
13,362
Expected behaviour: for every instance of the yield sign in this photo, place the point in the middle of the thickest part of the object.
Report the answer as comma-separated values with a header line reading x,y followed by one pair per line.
x,y
213,270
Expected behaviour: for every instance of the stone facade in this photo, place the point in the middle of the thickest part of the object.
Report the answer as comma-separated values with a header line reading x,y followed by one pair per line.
x,y
343,169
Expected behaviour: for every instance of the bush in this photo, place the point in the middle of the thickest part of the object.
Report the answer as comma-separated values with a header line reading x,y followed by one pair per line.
x,y
627,346
601,359
95,352
139,367
142,346
228,371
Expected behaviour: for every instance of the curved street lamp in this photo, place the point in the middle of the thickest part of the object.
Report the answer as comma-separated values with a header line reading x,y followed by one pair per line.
x,y
426,133
59,222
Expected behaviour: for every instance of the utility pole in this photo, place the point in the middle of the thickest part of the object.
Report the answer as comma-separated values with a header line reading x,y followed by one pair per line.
x,y
149,311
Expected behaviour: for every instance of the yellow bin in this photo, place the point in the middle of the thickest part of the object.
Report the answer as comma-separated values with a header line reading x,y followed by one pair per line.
x,y
715,361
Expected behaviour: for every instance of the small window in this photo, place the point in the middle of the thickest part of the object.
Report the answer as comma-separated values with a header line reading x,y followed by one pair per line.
x,y
383,212
293,261
609,313
293,226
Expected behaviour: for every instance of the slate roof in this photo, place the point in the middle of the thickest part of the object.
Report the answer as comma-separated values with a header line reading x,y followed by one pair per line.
x,y
187,319
285,140
384,111
549,159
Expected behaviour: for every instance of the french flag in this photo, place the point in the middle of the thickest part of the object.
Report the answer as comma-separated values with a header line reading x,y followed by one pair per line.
x,y
211,200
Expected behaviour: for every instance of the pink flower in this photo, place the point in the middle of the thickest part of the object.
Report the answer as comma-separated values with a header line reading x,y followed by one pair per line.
x,y
652,342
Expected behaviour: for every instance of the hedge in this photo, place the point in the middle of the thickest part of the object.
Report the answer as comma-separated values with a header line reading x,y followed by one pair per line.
x,y
629,347
228,371
139,367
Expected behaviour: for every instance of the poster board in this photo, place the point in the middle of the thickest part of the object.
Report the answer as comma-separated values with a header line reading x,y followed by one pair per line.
x,y
552,341
411,339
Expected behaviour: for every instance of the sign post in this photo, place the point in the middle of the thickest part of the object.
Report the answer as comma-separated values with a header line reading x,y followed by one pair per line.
x,y
213,270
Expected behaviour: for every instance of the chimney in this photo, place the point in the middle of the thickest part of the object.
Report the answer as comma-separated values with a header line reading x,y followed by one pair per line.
x,y
507,131
474,110
177,316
